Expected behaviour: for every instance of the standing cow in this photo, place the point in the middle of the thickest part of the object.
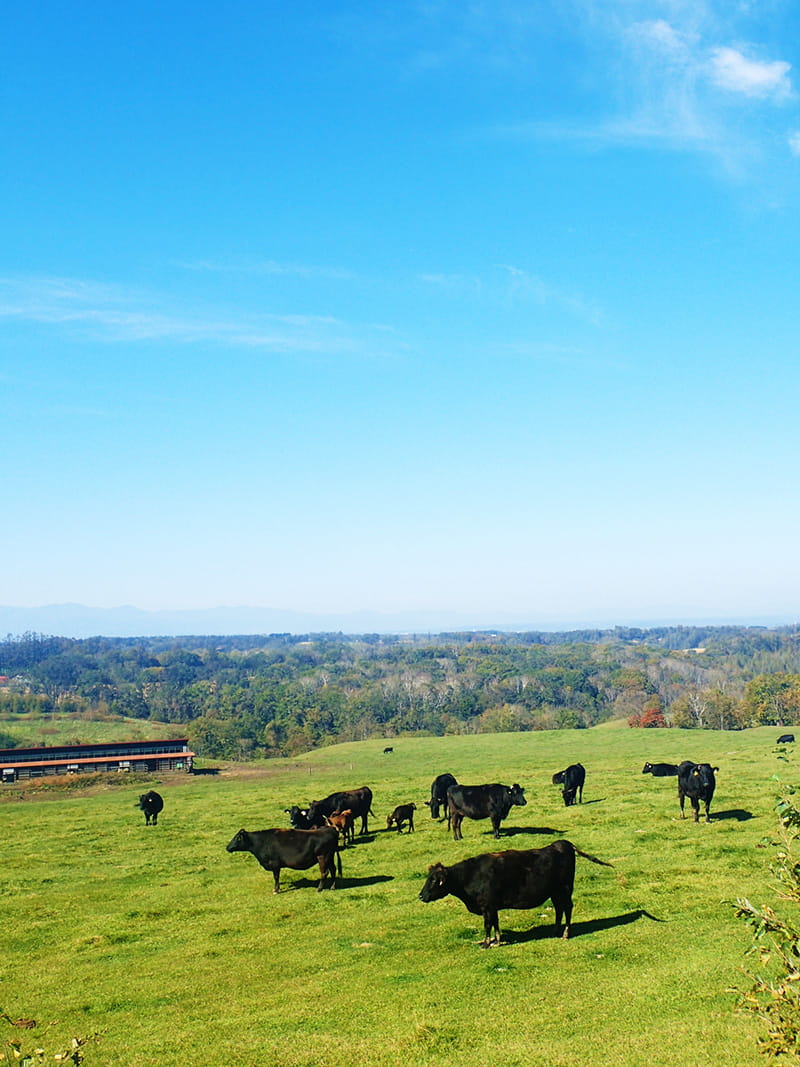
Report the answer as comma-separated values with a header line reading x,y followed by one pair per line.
x,y
439,786
151,804
482,802
511,879
297,849
572,780
697,782
403,813
359,801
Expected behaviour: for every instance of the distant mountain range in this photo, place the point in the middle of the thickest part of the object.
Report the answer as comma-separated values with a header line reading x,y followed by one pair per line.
x,y
77,620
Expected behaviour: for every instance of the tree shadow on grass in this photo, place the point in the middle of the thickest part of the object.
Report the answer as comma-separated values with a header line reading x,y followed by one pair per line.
x,y
580,929
739,814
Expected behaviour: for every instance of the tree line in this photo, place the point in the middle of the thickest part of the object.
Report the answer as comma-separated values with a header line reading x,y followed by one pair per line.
x,y
281,694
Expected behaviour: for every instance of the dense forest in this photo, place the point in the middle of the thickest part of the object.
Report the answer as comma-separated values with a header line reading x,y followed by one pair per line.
x,y
281,694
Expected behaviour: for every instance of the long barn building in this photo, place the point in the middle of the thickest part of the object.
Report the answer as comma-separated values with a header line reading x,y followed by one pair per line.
x,y
20,763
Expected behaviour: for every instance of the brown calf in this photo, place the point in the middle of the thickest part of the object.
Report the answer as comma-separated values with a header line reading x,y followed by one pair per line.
x,y
343,822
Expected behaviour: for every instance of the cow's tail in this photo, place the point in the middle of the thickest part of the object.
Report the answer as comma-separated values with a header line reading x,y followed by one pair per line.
x,y
594,859
338,861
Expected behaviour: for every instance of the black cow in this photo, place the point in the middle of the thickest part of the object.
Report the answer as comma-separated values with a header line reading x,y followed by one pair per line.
x,y
660,770
298,849
439,787
359,801
298,818
511,879
401,814
696,781
572,780
786,739
482,802
151,804
388,749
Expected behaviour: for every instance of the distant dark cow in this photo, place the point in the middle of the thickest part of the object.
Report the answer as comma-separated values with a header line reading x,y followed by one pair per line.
x,y
439,787
660,770
696,781
297,849
298,818
359,801
495,880
342,822
389,748
401,814
786,739
151,804
482,802
572,780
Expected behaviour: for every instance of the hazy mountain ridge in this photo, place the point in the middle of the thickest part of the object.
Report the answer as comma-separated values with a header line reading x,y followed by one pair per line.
x,y
80,621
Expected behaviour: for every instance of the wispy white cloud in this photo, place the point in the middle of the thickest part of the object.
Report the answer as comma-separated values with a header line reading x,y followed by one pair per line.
x,y
794,143
732,70
266,267
510,283
686,75
115,314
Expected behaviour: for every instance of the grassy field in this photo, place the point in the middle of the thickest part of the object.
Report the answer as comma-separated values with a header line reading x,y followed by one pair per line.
x,y
179,953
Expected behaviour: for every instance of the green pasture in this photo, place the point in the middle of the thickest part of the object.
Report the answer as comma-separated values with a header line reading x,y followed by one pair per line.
x,y
179,953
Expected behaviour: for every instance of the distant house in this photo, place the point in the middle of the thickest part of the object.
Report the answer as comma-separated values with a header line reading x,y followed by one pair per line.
x,y
20,763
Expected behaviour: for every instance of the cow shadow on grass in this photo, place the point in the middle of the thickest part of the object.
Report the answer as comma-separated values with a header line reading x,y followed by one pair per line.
x,y
739,814
341,883
579,929
514,831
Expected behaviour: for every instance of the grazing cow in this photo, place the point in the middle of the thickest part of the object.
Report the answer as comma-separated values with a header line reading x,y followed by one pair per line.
x,y
389,748
151,804
439,787
402,813
572,780
298,849
359,801
786,739
482,802
696,781
660,770
343,823
298,818
511,879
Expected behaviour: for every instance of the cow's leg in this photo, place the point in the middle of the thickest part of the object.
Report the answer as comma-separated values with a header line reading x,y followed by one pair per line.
x,y
323,870
457,819
276,874
681,798
708,811
562,902
496,825
155,818
491,922
695,808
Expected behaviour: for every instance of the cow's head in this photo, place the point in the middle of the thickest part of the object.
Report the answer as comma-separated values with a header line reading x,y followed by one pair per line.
x,y
435,884
238,843
517,795
647,769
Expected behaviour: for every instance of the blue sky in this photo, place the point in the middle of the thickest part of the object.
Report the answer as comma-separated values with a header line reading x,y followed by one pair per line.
x,y
476,308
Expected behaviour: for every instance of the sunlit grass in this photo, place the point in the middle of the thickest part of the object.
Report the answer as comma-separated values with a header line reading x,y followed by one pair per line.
x,y
181,953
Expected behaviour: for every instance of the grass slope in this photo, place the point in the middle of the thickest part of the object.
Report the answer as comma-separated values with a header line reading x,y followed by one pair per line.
x,y
181,953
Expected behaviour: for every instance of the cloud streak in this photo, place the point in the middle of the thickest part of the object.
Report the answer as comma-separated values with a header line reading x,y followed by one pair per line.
x,y
689,80
109,313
